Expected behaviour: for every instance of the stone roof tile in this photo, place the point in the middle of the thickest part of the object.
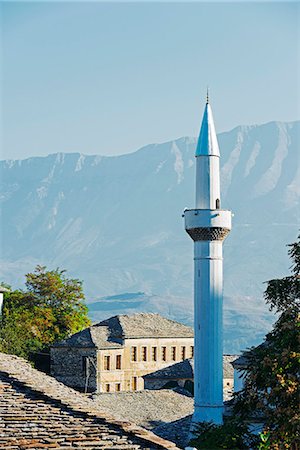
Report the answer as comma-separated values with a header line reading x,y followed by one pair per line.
x,y
185,369
95,336
110,332
152,325
182,369
70,419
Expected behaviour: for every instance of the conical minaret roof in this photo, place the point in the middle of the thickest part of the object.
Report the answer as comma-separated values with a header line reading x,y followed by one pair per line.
x,y
207,142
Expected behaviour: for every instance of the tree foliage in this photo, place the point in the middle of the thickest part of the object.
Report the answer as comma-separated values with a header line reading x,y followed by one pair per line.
x,y
272,378
233,435
51,308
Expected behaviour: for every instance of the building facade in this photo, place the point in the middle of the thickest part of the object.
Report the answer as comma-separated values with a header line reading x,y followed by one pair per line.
x,y
115,354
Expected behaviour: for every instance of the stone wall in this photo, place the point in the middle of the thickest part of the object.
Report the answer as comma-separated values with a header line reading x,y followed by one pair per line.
x,y
140,367
130,376
75,367
228,383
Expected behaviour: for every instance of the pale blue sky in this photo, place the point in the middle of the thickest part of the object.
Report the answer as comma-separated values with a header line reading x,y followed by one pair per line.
x,y
108,78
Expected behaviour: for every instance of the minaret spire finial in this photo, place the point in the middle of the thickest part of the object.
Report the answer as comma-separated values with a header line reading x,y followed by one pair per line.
x,y
207,142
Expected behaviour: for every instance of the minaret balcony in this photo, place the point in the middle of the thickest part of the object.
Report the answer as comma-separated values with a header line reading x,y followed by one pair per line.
x,y
207,224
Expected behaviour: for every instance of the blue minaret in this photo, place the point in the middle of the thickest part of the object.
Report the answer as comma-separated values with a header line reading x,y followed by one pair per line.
x,y
208,225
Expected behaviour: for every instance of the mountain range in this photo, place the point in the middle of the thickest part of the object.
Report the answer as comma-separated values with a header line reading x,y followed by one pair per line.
x,y
115,222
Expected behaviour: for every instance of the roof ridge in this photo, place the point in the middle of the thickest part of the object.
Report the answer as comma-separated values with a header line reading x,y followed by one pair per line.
x,y
110,331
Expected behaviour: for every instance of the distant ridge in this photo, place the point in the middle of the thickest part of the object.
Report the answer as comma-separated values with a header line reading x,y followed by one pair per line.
x,y
99,217
191,139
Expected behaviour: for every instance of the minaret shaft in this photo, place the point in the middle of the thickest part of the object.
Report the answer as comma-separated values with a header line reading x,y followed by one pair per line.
x,y
208,372
208,226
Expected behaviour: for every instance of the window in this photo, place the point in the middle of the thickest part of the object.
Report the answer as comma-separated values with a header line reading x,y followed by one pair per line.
x,y
173,353
118,362
144,353
164,353
106,362
118,387
192,351
183,353
133,354
88,365
107,387
134,383
85,365
154,353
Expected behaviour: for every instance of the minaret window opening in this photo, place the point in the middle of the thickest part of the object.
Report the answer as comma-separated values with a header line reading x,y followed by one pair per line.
x,y
218,203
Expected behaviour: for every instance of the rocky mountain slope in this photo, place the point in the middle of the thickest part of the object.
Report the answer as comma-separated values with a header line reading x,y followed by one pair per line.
x,y
115,222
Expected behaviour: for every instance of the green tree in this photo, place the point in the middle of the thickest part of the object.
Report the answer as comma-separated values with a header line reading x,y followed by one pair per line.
x,y
233,435
272,379
51,308
64,296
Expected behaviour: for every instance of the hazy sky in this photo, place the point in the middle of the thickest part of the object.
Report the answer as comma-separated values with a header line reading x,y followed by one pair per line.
x,y
108,78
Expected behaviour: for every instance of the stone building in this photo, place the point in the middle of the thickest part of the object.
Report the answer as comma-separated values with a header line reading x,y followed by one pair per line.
x,y
114,354
182,374
179,374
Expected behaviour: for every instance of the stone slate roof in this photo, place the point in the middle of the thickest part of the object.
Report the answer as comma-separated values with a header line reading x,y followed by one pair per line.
x,y
240,362
152,325
110,332
95,336
185,369
227,365
38,412
243,361
182,369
